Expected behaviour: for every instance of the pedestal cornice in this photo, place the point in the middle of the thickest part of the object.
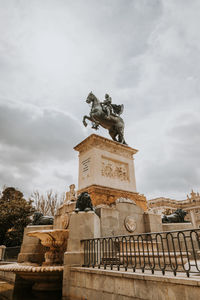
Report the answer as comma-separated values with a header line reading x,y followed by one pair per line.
x,y
96,141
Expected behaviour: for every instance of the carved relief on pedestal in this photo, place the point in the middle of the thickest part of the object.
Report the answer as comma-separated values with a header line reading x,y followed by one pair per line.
x,y
104,195
114,169
65,221
130,224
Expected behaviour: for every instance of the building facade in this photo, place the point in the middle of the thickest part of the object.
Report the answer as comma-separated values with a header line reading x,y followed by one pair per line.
x,y
166,206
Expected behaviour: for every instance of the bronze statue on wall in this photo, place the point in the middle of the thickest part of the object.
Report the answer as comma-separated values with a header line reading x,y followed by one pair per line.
x,y
175,217
84,203
40,219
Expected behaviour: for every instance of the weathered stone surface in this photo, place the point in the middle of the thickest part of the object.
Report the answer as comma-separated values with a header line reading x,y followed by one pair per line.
x,y
2,251
108,196
106,163
31,249
7,276
95,284
176,226
83,225
152,222
45,278
6,290
106,171
62,218
56,241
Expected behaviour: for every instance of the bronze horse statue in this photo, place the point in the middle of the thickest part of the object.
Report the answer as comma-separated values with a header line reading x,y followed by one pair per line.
x,y
98,116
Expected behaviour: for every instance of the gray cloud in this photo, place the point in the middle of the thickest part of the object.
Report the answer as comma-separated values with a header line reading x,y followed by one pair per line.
x,y
43,134
31,140
173,165
144,53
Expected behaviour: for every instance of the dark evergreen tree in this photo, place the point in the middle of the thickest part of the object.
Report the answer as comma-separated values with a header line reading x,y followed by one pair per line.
x,y
15,214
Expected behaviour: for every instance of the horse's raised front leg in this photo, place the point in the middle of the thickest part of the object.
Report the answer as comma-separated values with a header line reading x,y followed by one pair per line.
x,y
84,122
95,123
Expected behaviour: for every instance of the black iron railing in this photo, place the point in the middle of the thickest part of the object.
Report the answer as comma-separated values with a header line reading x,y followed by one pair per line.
x,y
174,251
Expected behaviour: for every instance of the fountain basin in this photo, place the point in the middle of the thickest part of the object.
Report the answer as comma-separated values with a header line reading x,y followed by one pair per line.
x,y
43,278
56,241
48,276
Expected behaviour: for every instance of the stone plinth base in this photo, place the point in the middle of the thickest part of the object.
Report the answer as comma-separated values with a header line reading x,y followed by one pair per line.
x,y
107,163
83,225
152,222
31,249
6,290
62,217
94,284
105,195
113,219
176,226
2,251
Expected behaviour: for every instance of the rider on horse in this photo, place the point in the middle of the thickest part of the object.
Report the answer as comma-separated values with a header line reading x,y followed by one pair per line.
x,y
107,105
109,109
107,115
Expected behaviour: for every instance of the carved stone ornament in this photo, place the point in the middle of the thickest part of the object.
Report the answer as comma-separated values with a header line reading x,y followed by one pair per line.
x,y
65,221
96,141
125,200
130,223
113,169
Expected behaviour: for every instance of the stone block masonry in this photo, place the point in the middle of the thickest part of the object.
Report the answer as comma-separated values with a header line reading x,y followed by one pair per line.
x,y
107,172
95,284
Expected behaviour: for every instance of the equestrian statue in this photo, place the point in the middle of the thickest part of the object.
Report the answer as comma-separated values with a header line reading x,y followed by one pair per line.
x,y
107,115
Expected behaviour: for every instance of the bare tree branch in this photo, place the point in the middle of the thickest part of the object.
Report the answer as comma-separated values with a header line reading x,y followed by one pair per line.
x,y
48,203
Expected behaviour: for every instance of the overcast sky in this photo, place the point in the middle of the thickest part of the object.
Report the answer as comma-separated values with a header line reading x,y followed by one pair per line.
x,y
144,53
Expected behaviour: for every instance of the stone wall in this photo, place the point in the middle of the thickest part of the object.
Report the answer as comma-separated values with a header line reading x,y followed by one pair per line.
x,y
7,276
31,248
6,290
112,219
92,284
2,251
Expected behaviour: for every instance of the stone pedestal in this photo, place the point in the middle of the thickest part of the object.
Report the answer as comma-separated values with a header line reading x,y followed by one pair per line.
x,y
2,251
123,218
31,249
83,225
62,217
176,226
106,171
152,222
